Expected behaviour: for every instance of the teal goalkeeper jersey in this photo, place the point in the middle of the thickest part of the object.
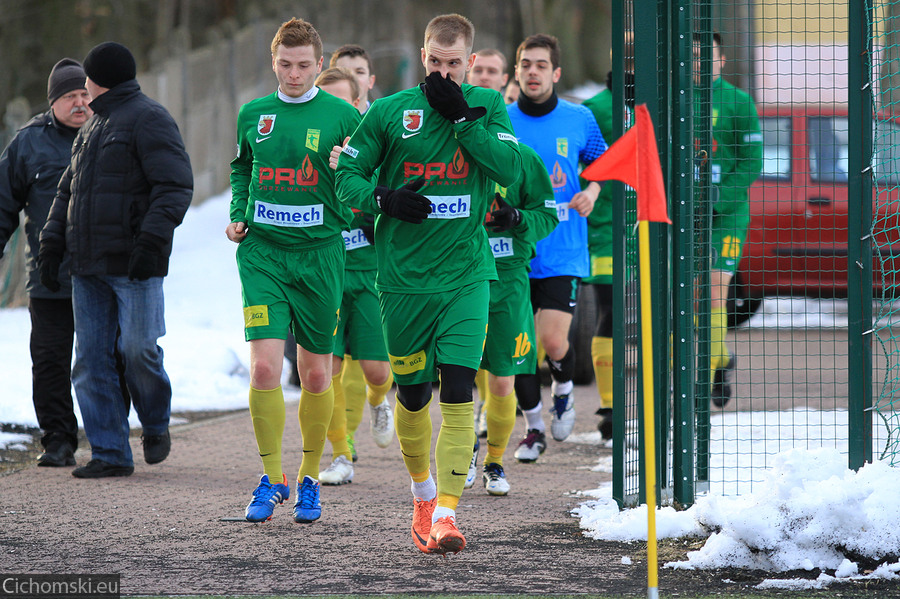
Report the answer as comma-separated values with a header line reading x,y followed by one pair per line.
x,y
408,140
281,184
533,195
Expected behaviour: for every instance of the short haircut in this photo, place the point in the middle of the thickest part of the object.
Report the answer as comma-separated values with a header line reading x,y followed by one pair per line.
x,y
336,74
494,52
541,40
297,32
446,29
350,51
716,37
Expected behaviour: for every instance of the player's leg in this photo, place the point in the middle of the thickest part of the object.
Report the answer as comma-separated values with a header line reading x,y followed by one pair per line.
x,y
341,469
602,355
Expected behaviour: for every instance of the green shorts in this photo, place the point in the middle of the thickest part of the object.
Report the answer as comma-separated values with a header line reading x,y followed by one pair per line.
x,y
424,331
359,329
727,235
296,288
510,347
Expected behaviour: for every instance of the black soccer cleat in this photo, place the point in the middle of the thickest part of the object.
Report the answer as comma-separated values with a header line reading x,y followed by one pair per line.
x,y
721,387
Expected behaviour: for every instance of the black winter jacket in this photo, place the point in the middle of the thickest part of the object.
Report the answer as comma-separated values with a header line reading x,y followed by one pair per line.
x,y
30,168
129,175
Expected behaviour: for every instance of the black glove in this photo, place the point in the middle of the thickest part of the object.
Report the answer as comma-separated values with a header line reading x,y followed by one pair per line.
x,y
505,217
445,96
145,257
404,203
49,266
368,227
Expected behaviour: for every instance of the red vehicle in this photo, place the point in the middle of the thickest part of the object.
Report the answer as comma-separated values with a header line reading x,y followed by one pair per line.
x,y
797,240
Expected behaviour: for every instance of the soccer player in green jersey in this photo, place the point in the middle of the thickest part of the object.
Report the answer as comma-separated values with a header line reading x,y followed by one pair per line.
x,y
451,142
737,154
287,220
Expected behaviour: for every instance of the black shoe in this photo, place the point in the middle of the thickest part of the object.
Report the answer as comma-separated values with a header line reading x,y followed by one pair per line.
x,y
605,426
156,447
721,387
101,469
57,455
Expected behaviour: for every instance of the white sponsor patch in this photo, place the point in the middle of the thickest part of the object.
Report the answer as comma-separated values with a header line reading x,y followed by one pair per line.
x,y
562,211
447,207
550,204
507,137
502,247
354,239
350,151
288,216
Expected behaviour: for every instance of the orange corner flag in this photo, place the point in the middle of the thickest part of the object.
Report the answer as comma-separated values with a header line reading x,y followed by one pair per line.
x,y
633,159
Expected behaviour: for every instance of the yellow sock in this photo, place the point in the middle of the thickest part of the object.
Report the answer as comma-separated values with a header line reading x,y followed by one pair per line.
x,y
267,414
448,501
314,415
453,450
718,329
602,353
337,429
377,393
501,419
414,434
481,383
354,393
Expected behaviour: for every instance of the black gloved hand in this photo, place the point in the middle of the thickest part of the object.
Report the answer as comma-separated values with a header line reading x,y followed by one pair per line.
x,y
145,257
505,217
445,96
49,262
368,228
405,203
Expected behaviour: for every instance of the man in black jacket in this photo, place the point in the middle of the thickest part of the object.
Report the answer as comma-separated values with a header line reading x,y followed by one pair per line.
x,y
30,168
127,187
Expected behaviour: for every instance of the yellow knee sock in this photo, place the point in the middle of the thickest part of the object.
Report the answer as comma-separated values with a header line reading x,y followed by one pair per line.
x,y
337,429
377,393
354,393
314,414
718,329
414,434
501,419
448,501
453,450
481,383
602,353
267,414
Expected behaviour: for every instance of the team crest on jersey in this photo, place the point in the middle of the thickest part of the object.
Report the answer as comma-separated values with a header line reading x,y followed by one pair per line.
x,y
562,146
312,139
266,124
558,176
412,120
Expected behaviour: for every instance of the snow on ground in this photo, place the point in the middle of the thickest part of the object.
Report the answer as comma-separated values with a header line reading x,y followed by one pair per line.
x,y
802,511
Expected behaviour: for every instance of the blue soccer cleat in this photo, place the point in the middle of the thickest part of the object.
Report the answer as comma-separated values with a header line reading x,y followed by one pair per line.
x,y
307,508
265,498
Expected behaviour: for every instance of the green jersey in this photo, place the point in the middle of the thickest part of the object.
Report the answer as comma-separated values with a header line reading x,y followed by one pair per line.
x,y
360,253
533,195
281,184
408,140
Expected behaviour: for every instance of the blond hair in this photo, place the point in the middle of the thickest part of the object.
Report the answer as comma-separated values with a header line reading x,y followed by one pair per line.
x,y
446,29
337,74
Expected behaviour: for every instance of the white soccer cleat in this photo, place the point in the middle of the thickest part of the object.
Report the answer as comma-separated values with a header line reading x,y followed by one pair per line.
x,y
381,424
473,467
563,412
339,473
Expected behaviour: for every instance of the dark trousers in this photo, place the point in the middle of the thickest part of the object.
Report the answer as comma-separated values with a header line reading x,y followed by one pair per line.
x,y
52,335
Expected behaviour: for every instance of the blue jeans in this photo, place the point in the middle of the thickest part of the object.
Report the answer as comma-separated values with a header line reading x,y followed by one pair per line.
x,y
101,305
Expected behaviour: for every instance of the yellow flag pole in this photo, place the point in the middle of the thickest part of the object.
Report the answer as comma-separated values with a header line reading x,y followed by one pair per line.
x,y
649,419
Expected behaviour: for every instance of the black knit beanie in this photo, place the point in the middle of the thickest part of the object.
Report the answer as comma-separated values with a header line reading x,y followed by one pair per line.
x,y
66,75
109,64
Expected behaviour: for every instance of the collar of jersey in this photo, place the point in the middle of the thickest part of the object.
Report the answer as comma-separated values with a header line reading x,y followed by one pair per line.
x,y
304,98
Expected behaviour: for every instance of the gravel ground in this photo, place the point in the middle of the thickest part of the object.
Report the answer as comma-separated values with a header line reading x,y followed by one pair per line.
x,y
166,529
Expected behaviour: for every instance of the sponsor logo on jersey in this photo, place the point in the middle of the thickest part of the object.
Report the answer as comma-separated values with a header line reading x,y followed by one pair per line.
x,y
550,204
408,364
256,316
502,247
354,239
562,211
412,120
507,137
558,176
266,124
562,146
448,207
457,168
288,216
306,175
350,151
312,139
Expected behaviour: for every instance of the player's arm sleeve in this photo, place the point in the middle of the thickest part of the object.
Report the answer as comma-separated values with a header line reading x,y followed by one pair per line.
x,y
354,177
538,208
595,145
241,171
492,143
13,192
748,141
